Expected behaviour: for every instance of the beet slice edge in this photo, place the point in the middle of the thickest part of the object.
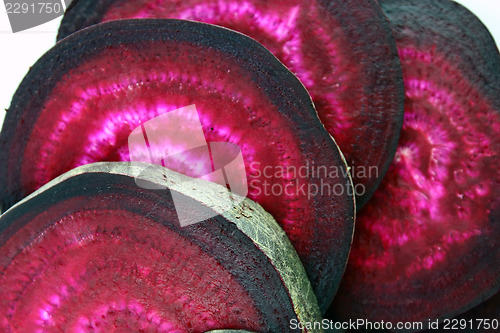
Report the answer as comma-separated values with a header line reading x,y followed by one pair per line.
x,y
49,222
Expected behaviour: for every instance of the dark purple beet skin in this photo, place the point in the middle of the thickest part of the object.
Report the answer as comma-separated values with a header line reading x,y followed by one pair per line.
x,y
96,253
426,246
342,51
82,99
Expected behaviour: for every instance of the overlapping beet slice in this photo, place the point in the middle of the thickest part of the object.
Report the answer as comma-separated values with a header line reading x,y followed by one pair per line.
x,y
342,50
92,251
82,99
427,245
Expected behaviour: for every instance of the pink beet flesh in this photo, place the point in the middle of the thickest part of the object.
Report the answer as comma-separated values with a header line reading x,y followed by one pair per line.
x,y
426,246
112,275
342,51
95,119
318,59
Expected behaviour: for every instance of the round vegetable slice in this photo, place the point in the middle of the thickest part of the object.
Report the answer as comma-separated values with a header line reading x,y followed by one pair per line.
x,y
92,251
426,246
343,51
81,101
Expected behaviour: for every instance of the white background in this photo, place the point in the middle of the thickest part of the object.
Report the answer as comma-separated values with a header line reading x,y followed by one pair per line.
x,y
21,50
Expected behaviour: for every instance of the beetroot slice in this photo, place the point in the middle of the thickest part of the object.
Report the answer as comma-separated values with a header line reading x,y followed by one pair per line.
x,y
427,246
92,251
81,100
342,50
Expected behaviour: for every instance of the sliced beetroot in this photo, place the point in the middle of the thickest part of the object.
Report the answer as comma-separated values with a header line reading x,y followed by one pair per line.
x,y
92,251
342,50
426,246
81,100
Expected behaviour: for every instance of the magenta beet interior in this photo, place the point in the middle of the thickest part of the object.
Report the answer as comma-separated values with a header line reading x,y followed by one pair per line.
x,y
95,113
426,244
115,271
282,26
323,48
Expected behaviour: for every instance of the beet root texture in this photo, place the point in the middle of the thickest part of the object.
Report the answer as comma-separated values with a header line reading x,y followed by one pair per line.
x,y
343,51
80,102
427,246
92,251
